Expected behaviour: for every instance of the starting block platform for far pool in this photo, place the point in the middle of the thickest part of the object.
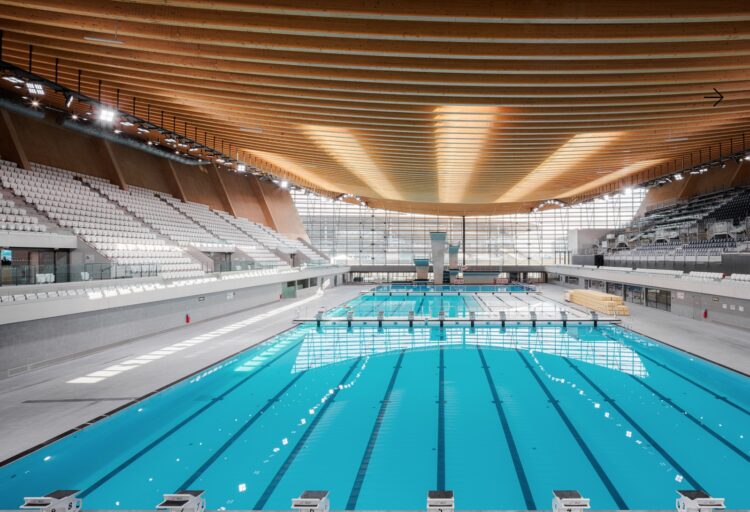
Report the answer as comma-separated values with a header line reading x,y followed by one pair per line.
x,y
458,322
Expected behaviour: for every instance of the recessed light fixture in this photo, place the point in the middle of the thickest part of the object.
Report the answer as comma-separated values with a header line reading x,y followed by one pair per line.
x,y
105,40
35,88
106,115
13,80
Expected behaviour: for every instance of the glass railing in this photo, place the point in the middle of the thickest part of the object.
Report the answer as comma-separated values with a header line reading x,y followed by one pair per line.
x,y
14,275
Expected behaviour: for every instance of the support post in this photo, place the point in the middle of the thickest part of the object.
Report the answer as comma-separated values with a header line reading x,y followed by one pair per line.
x,y
10,143
112,166
215,174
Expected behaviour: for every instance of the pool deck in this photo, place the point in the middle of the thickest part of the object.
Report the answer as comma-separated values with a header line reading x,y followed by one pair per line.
x,y
723,344
39,405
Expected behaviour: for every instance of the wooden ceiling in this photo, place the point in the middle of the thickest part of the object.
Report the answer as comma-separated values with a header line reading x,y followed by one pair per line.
x,y
440,106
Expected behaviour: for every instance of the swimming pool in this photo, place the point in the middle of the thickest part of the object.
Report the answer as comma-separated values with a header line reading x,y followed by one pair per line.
x,y
380,416
485,306
465,288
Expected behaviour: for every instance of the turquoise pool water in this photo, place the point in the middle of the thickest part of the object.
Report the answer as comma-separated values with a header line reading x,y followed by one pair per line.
x,y
399,305
380,416
476,288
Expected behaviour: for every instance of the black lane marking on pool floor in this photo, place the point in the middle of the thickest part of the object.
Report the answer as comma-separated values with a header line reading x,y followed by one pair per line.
x,y
512,448
694,383
181,424
441,424
692,418
351,504
303,439
255,417
691,480
581,443
688,379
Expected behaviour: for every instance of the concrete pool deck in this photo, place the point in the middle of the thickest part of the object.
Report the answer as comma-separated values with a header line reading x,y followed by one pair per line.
x,y
39,405
726,345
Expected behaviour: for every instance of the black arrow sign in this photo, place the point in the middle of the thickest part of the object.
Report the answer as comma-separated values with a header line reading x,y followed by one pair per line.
x,y
718,97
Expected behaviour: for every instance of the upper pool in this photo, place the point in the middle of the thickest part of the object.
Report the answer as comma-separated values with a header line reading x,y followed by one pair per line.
x,y
380,416
432,288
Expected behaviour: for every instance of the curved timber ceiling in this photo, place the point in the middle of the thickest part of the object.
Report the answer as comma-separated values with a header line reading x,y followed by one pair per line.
x,y
441,106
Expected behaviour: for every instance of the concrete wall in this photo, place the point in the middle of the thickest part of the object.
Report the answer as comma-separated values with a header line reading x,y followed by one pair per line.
x,y
689,297
718,309
27,345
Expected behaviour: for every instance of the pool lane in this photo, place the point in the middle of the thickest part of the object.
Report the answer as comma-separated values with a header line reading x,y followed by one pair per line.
x,y
249,465
592,458
636,462
330,398
548,451
176,454
496,459
373,438
332,455
402,465
722,415
676,433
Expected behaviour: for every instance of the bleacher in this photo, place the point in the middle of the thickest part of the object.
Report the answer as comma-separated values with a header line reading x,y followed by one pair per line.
x,y
113,232
158,214
138,229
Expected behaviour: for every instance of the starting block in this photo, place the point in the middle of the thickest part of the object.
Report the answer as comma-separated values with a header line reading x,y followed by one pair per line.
x,y
57,501
698,501
183,501
569,501
440,501
312,501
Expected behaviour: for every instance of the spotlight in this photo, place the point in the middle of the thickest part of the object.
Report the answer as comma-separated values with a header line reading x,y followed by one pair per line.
x,y
74,117
106,115
34,103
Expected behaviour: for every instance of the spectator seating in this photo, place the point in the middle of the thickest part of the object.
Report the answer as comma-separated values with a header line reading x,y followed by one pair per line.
x,y
112,231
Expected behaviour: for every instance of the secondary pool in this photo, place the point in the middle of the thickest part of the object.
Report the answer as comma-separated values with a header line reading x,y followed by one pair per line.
x,y
432,288
380,416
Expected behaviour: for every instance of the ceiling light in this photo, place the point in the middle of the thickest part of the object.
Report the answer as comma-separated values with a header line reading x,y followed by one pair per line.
x,y
69,100
126,123
678,176
35,88
118,131
150,143
13,80
142,130
170,140
34,103
106,115
104,40
74,117
284,184
220,160
241,168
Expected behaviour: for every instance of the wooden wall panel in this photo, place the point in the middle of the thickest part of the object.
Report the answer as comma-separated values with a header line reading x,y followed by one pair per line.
x,y
283,212
142,169
197,185
49,144
246,203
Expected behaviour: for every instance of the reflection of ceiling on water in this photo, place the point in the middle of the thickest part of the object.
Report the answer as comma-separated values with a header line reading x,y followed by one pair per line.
x,y
335,344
